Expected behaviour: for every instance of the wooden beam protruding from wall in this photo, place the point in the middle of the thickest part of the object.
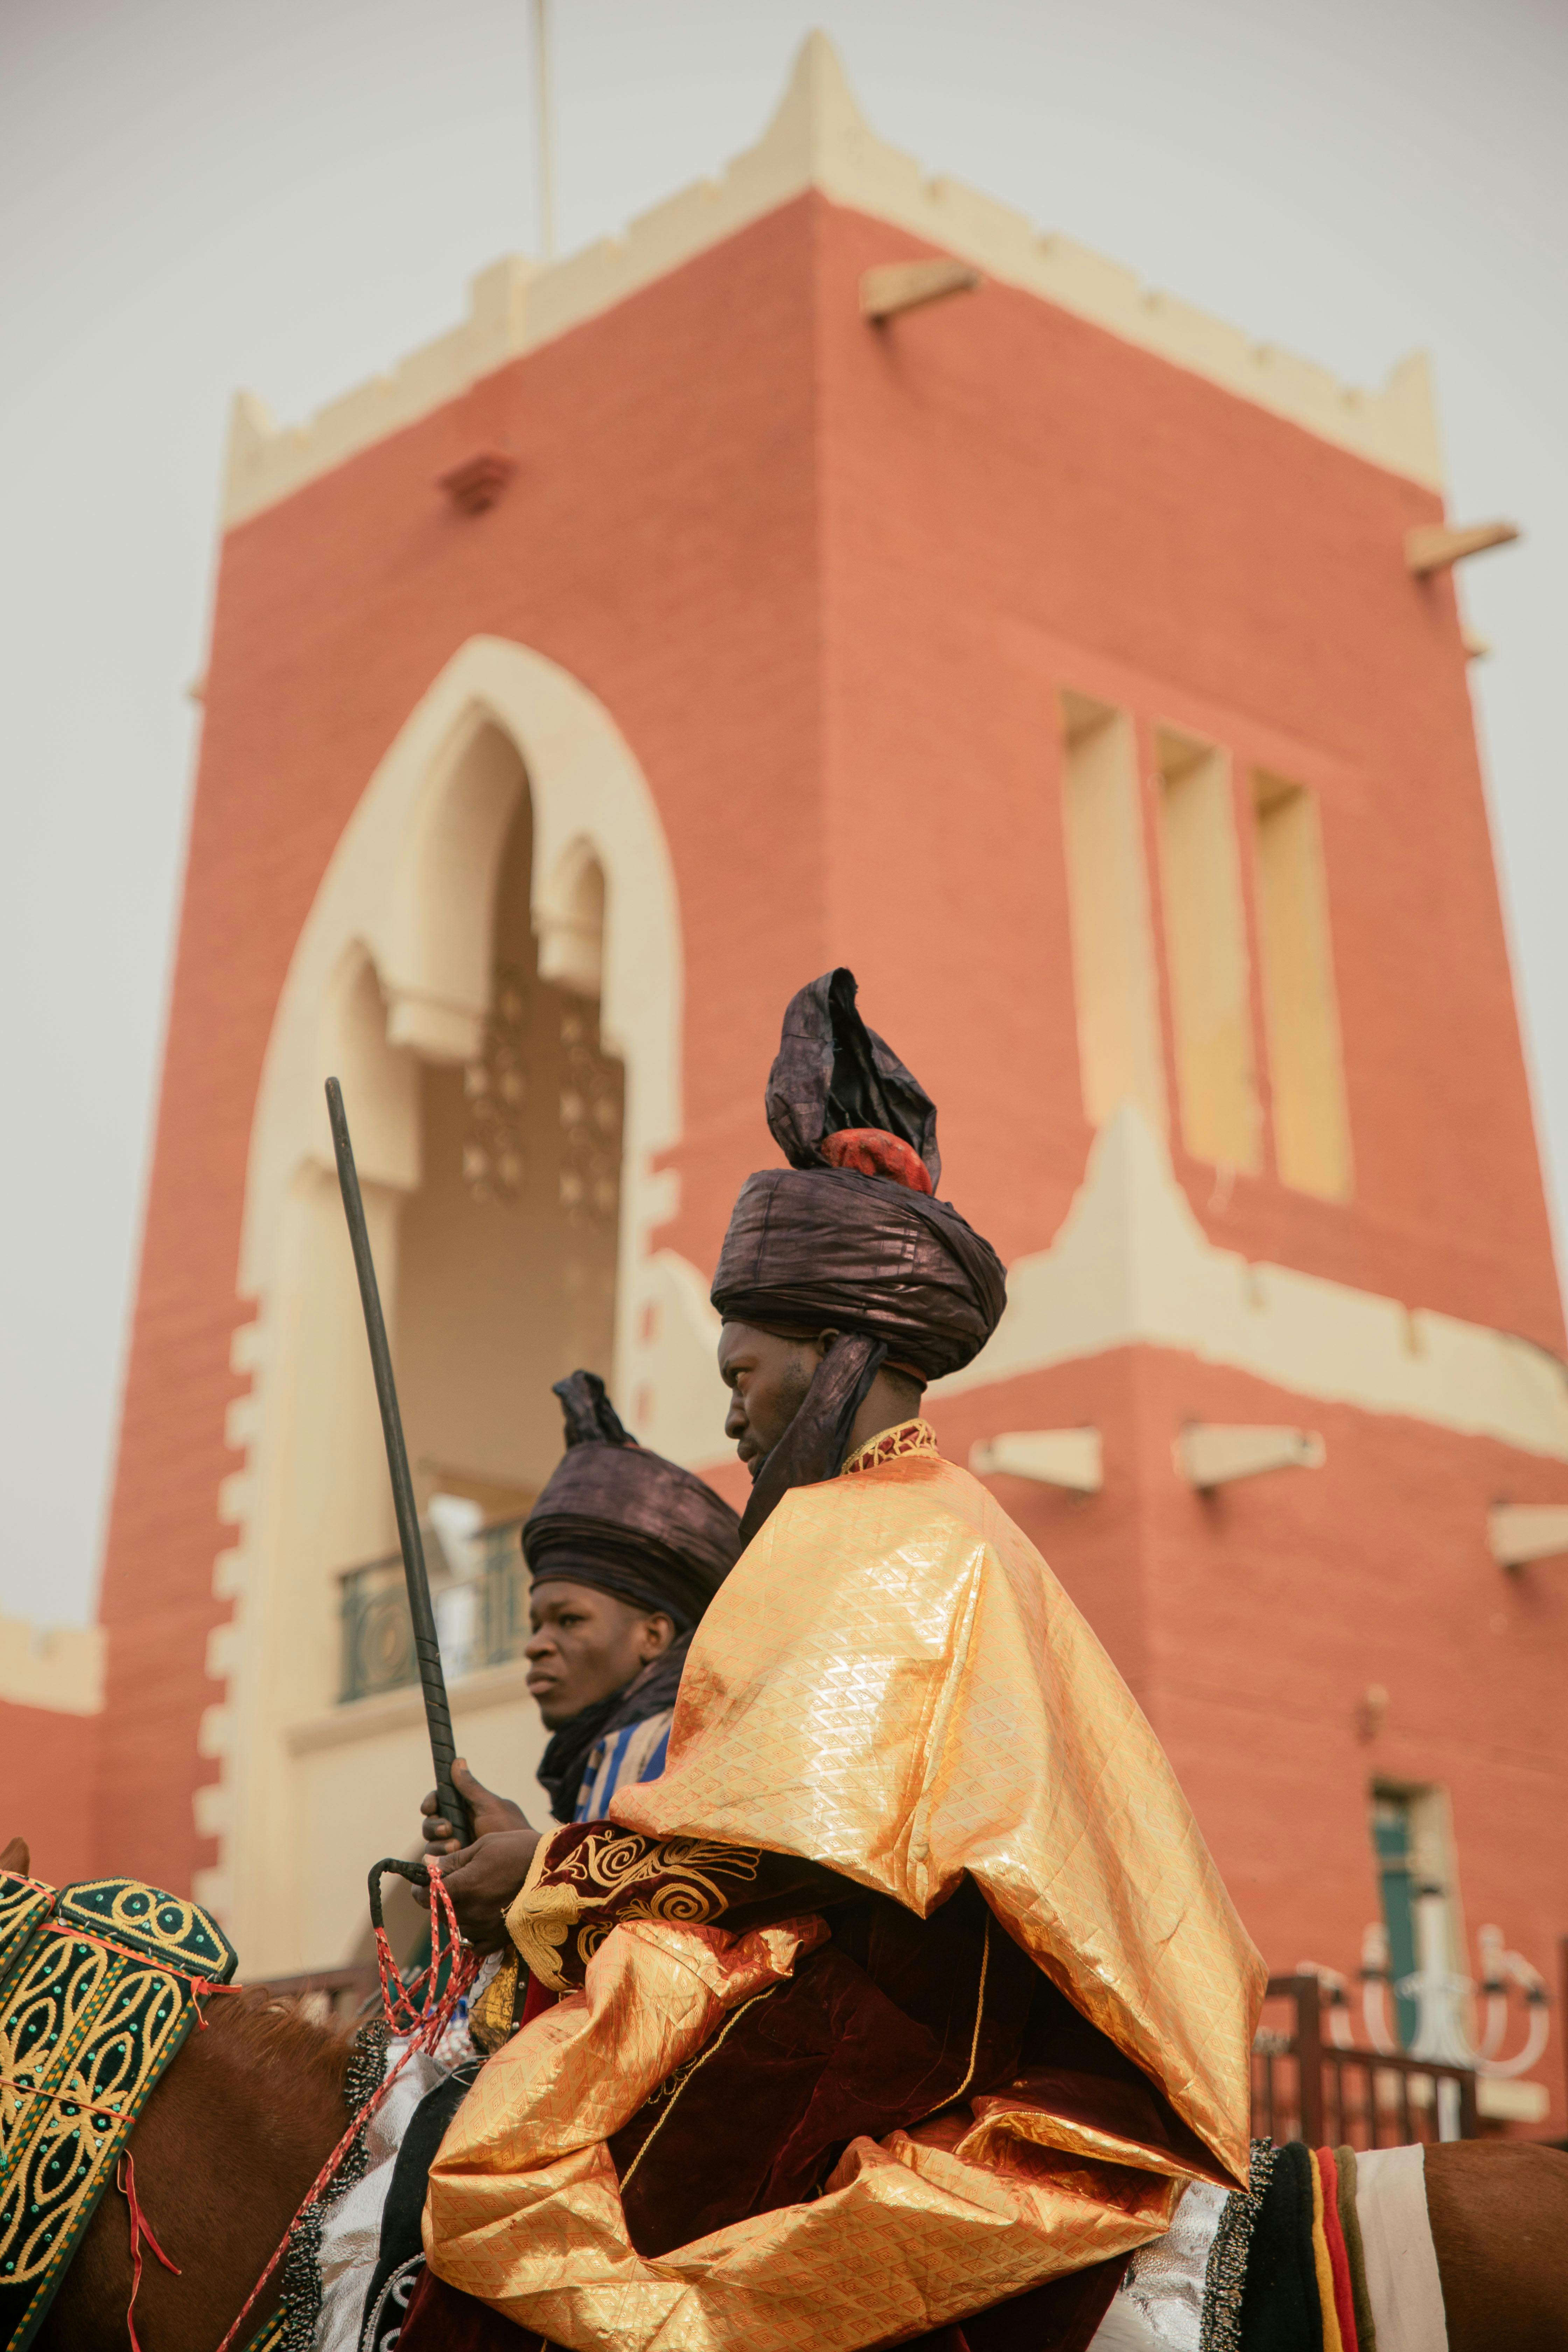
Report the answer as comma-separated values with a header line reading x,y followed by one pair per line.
x,y
1053,1457
476,484
898,286
1211,1453
1520,1532
1433,547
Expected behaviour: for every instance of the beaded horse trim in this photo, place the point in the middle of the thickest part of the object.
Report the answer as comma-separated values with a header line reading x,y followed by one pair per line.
x,y
98,1986
292,2328
1224,2280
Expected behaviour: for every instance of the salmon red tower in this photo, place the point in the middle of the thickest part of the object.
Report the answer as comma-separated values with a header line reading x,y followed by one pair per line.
x,y
711,609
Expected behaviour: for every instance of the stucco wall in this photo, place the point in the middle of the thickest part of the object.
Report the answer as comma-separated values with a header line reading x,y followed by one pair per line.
x,y
47,1780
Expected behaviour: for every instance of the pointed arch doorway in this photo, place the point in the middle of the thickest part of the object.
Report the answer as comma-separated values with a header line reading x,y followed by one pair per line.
x,y
491,965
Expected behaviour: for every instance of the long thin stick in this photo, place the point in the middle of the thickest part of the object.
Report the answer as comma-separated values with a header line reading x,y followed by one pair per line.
x,y
426,1648
544,130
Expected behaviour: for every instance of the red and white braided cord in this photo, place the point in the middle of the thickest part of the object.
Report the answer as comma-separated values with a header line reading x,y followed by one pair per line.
x,y
425,2026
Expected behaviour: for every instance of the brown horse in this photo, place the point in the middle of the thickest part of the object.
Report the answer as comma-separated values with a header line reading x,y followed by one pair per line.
x,y
247,2112
225,2149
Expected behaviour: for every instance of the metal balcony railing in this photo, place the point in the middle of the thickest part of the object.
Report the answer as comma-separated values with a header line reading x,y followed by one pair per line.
x,y
482,1619
1308,2086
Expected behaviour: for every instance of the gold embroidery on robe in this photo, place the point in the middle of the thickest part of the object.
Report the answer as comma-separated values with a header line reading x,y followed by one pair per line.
x,y
891,1685
491,2014
539,1922
591,1876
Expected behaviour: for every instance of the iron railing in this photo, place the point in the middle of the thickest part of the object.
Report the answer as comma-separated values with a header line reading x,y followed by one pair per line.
x,y
482,1621
1307,2087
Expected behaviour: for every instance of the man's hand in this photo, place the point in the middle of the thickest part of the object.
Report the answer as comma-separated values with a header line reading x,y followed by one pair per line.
x,y
484,1880
491,1814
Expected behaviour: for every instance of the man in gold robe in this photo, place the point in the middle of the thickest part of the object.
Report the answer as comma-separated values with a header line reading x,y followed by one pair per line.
x,y
902,2004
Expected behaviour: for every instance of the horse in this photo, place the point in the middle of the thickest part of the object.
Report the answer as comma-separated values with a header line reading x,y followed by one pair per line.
x,y
223,2155
249,2110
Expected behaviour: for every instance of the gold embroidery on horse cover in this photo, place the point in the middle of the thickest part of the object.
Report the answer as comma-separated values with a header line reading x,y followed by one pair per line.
x,y
98,1989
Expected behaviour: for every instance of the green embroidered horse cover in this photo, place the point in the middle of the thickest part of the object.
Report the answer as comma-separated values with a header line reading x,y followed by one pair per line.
x,y
98,1986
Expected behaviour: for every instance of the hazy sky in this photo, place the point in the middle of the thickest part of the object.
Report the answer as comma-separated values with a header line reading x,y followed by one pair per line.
x,y
196,194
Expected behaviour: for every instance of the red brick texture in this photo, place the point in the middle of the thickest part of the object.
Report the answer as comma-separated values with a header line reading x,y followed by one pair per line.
x,y
50,1777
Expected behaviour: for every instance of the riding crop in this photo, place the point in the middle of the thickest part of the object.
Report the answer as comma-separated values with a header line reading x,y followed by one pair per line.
x,y
426,1647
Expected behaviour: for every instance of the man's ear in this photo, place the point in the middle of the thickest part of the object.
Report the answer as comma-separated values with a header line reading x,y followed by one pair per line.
x,y
823,1341
658,1631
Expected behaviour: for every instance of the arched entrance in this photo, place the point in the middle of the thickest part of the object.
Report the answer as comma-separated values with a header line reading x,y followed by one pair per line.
x,y
491,967
507,1250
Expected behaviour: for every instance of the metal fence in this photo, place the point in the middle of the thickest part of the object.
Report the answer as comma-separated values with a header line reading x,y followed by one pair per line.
x,y
1306,2086
482,1621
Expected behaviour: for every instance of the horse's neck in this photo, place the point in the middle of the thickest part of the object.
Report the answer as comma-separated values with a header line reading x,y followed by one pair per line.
x,y
225,2152
266,2077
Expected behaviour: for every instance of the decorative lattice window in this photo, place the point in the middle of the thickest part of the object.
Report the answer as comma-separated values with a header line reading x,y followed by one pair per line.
x,y
495,1157
592,1092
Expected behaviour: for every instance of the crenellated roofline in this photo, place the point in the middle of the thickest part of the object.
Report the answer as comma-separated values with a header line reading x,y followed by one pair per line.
x,y
818,139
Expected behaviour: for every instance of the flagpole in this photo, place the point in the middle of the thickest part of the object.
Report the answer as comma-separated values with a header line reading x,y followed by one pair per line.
x,y
544,133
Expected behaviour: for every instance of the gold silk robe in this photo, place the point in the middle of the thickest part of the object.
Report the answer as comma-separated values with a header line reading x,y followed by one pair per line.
x,y
891,1684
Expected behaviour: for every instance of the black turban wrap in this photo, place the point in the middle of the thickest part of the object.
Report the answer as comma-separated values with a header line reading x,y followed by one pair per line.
x,y
851,1236
629,1522
625,1520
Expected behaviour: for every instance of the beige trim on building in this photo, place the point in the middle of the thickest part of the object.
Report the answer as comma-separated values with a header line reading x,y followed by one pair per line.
x,y
1300,1006
393,974
58,1668
1131,1267
355,1798
1116,988
818,139
1069,1458
399,1710
1205,952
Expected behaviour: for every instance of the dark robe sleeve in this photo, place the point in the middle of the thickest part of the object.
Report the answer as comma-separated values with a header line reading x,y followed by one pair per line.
x,y
892,2020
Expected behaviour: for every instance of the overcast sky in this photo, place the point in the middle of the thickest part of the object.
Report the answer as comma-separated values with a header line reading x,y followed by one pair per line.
x,y
197,195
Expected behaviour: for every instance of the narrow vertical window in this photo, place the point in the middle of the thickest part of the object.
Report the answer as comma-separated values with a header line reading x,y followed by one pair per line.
x,y
1396,1865
1311,1125
1108,897
1412,1839
1205,945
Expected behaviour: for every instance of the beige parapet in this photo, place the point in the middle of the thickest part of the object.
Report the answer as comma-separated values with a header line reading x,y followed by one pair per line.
x,y
818,139
56,1667
1130,1265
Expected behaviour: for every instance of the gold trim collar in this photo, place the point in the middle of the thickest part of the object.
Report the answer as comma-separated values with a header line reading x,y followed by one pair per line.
x,y
891,1445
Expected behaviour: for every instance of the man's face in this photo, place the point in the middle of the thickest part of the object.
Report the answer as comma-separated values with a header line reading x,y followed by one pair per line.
x,y
586,1646
767,1378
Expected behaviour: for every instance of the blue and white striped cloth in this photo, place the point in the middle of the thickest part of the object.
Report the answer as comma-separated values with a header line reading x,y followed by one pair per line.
x,y
634,1753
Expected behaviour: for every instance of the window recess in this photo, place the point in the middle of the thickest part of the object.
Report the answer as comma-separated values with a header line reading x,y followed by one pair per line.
x,y
1120,1058
1205,949
1306,1071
